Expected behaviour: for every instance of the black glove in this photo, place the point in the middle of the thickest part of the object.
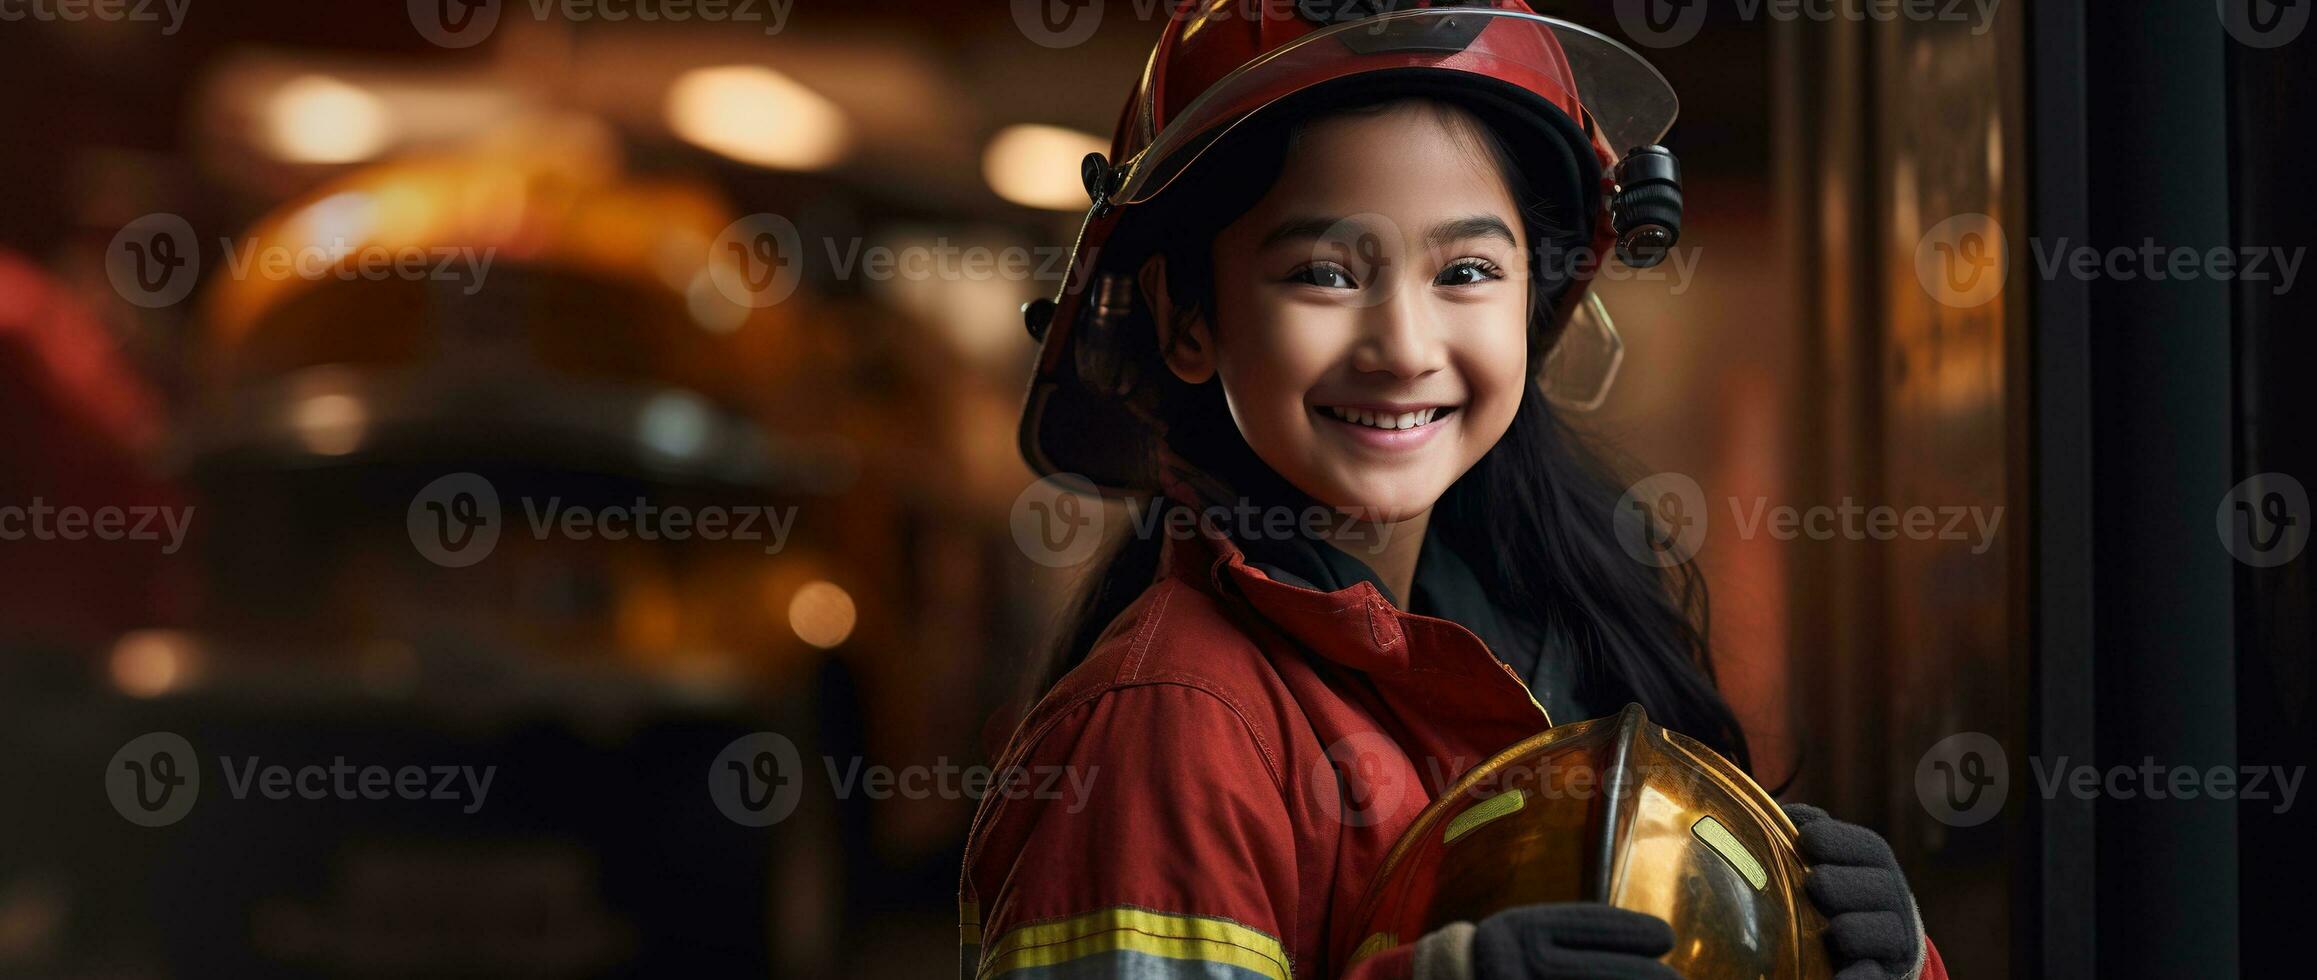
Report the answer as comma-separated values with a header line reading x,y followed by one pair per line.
x,y
1571,939
1873,931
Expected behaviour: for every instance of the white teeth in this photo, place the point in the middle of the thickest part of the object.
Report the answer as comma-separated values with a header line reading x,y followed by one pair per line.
x,y
1387,420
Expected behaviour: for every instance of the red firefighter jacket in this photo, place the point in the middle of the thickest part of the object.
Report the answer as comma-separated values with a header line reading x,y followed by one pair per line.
x,y
1243,752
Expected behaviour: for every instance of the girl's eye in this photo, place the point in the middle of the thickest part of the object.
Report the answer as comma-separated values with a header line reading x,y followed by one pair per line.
x,y
1467,273
1323,275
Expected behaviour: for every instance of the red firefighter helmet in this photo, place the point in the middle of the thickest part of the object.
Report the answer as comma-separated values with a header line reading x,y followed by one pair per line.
x,y
1581,111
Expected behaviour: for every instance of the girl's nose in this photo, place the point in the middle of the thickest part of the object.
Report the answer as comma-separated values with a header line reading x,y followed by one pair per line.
x,y
1400,337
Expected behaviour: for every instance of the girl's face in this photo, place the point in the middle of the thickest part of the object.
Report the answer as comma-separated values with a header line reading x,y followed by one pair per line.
x,y
1371,311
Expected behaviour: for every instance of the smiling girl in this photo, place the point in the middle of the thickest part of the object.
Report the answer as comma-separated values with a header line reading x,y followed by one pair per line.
x,y
1327,270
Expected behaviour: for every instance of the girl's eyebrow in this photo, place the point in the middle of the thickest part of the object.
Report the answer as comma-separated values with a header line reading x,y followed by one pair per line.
x,y
1452,230
1300,229
1468,228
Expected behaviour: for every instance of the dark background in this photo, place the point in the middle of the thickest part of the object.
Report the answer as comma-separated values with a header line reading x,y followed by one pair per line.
x,y
1805,364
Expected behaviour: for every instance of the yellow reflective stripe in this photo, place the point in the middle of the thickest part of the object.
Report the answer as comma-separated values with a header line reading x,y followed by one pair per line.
x,y
1180,937
969,923
1732,850
1503,804
1372,945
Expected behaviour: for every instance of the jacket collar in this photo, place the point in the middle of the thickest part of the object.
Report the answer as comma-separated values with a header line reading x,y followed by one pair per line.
x,y
1355,624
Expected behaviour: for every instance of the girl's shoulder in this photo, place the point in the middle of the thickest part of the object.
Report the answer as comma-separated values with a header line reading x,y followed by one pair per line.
x,y
1174,633
1177,636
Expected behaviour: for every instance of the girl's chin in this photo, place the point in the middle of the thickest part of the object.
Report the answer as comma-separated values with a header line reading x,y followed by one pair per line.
x,y
1381,505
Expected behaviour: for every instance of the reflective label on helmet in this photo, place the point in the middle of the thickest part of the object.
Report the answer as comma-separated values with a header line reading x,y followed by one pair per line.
x,y
1726,844
1501,805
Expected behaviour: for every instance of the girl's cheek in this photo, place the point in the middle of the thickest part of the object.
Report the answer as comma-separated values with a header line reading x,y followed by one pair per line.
x,y
1287,347
1496,350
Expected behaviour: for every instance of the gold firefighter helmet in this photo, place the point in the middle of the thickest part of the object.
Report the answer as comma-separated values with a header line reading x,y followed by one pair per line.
x,y
1614,810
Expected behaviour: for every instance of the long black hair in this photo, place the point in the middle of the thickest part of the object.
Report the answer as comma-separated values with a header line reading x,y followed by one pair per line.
x,y
1535,517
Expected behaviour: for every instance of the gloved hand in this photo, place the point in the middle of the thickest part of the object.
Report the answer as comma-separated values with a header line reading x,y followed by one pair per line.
x,y
1873,930
1571,939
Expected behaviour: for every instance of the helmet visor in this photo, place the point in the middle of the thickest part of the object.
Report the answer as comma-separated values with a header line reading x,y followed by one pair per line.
x,y
1629,102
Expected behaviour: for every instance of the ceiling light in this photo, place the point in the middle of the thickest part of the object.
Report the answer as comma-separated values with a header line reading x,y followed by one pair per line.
x,y
756,115
1037,166
319,119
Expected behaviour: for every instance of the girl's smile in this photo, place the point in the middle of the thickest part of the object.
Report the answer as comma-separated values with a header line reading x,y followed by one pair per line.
x,y
1386,426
